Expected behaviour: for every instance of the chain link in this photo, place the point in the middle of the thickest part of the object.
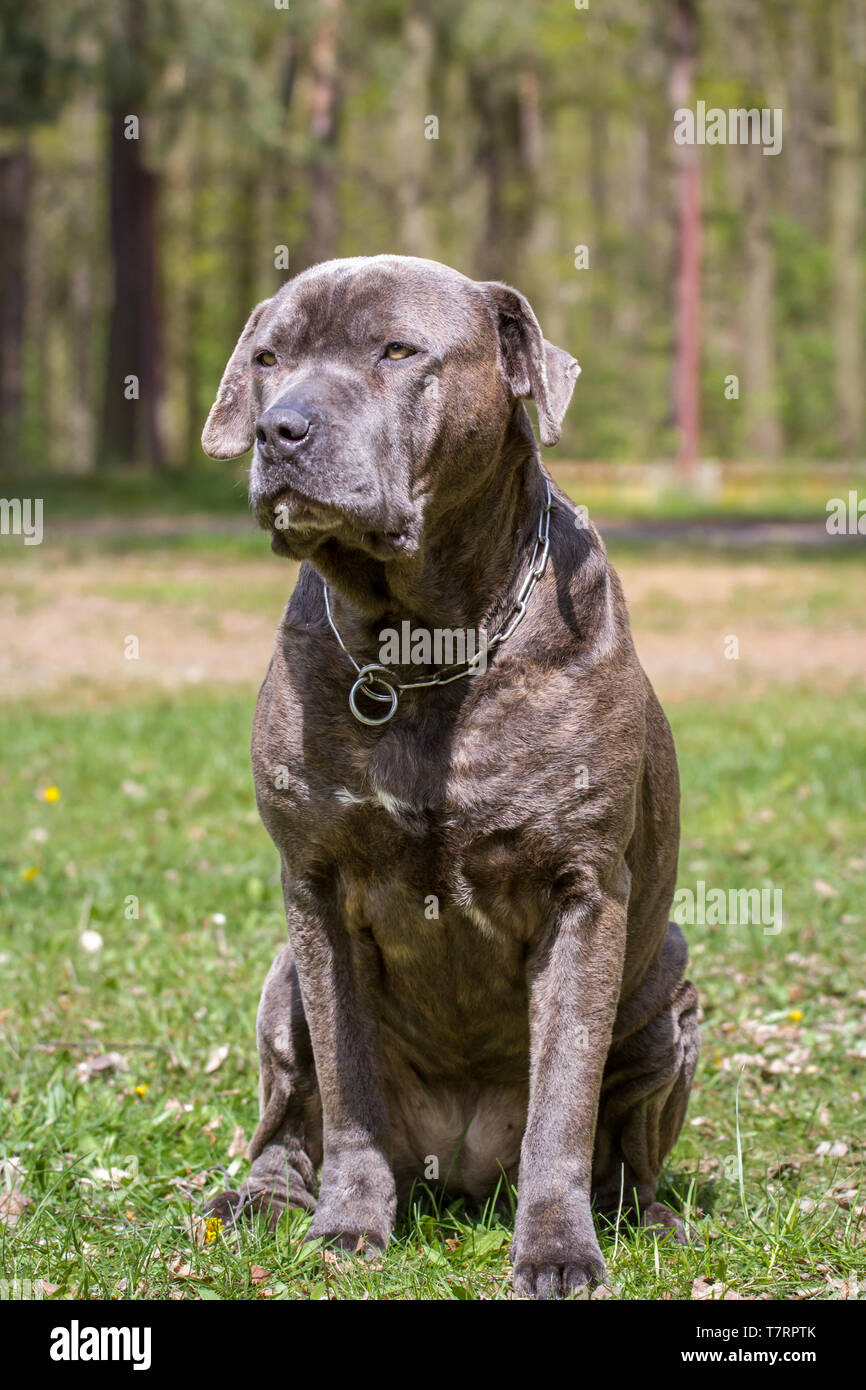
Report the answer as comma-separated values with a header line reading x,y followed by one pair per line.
x,y
374,674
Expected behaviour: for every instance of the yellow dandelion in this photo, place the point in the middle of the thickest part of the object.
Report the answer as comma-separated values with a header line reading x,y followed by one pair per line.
x,y
30,873
51,794
212,1227
796,1015
142,1089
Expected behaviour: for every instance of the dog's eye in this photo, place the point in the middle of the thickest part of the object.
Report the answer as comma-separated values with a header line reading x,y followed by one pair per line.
x,y
397,351
266,359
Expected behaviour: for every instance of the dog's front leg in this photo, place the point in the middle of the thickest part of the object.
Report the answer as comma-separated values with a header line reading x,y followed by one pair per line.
x,y
357,1198
574,981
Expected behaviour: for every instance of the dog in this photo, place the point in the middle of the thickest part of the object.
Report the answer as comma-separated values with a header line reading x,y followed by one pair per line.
x,y
478,858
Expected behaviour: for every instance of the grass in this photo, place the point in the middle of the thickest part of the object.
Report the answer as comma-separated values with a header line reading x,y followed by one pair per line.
x,y
156,817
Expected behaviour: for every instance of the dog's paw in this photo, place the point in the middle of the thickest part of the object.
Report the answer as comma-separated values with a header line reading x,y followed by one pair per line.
x,y
542,1277
357,1206
555,1252
666,1224
368,1243
231,1207
224,1206
364,1228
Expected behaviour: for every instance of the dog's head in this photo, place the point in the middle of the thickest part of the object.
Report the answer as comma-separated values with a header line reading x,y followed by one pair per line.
x,y
374,388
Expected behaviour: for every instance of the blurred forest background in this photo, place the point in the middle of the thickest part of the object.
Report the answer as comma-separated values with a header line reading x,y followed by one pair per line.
x,y
267,133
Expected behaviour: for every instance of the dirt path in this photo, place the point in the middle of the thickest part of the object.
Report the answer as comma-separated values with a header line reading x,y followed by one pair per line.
x,y
70,631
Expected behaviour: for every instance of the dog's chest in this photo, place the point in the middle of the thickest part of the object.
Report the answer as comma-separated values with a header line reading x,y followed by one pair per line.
x,y
458,820
438,839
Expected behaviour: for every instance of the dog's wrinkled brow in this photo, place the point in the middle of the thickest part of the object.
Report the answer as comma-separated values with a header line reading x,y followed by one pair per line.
x,y
337,310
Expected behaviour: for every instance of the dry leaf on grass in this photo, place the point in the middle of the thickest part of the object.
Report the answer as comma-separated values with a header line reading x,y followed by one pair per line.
x,y
197,1230
238,1146
704,1288
845,1196
788,1168
216,1058
105,1061
257,1274
846,1288
12,1205
12,1171
824,890
837,1149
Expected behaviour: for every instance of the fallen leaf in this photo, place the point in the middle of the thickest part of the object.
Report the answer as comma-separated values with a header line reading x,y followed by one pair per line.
x,y
113,1176
238,1146
257,1274
837,1149
216,1058
824,890
197,1230
845,1196
705,1289
12,1204
788,1168
846,1288
12,1171
106,1061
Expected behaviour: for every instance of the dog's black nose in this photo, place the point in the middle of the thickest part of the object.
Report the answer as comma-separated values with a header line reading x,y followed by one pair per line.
x,y
280,427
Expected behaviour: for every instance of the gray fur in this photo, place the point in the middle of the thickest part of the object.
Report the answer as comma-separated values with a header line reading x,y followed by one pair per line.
x,y
540,1024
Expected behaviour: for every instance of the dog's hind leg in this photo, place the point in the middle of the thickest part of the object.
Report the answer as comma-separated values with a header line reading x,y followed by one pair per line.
x,y
645,1091
286,1148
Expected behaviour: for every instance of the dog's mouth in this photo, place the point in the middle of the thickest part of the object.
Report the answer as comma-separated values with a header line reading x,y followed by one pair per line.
x,y
291,511
299,524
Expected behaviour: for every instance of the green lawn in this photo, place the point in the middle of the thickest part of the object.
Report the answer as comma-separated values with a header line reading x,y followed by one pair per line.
x,y
109,1167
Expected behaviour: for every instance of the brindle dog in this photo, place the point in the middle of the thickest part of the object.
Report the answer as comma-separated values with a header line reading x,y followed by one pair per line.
x,y
481,973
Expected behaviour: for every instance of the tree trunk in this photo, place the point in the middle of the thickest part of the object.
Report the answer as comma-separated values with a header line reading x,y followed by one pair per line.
x,y
412,147
759,375
599,166
323,214
686,380
846,199
15,183
508,119
130,430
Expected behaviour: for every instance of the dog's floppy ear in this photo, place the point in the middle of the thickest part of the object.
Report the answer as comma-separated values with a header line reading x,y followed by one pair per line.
x,y
532,366
230,428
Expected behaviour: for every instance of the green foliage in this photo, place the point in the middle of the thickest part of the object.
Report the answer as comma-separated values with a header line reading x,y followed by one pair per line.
x,y
225,97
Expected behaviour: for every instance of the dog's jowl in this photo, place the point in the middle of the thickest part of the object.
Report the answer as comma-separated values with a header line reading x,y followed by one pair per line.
x,y
478,858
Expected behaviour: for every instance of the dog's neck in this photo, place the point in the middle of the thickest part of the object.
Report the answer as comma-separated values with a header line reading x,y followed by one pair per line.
x,y
473,557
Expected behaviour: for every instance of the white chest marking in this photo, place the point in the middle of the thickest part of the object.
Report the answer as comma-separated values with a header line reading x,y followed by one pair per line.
x,y
392,804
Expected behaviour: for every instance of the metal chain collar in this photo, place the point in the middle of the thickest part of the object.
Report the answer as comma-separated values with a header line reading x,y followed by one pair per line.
x,y
388,687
